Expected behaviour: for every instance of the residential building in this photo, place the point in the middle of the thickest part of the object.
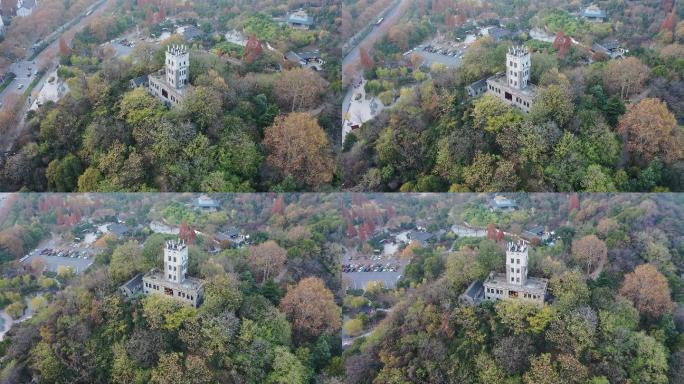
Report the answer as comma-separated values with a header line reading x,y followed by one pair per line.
x,y
502,203
230,236
206,203
118,229
498,33
419,236
514,87
190,33
609,48
299,19
170,84
308,59
594,13
26,7
140,81
474,294
173,280
477,88
133,287
515,283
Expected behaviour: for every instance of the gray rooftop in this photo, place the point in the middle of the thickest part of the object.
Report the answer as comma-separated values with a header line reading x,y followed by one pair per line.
x,y
478,84
500,80
140,80
189,282
498,33
135,282
532,284
593,12
118,229
300,17
420,236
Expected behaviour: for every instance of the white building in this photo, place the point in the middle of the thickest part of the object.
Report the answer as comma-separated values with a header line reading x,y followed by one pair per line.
x,y
173,280
515,283
26,7
169,84
514,86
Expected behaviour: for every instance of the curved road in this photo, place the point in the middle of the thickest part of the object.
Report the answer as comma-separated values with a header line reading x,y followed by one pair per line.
x,y
351,61
46,59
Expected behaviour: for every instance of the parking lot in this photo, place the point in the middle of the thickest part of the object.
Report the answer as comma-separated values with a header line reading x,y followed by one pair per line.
x,y
358,270
448,55
77,259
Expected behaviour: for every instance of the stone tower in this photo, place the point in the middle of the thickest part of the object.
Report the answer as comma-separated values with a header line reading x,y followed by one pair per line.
x,y
175,261
516,263
177,65
518,64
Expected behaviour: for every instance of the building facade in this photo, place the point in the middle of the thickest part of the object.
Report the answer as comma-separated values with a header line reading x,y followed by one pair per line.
x,y
514,87
169,84
515,283
173,280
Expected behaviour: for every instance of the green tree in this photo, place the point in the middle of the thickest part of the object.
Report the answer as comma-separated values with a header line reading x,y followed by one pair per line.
x,y
287,369
62,175
553,103
126,260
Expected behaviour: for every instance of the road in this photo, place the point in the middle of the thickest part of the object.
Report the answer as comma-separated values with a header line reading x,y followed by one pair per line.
x,y
46,59
351,61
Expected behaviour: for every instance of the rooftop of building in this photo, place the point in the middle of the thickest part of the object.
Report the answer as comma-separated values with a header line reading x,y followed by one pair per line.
x,y
478,84
518,50
176,244
519,246
503,202
300,17
593,11
118,229
536,230
190,283
498,33
475,290
420,236
500,79
134,283
28,4
532,284
307,55
205,201
140,80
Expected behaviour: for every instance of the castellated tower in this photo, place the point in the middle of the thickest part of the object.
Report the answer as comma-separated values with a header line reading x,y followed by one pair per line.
x,y
516,263
177,65
175,261
518,64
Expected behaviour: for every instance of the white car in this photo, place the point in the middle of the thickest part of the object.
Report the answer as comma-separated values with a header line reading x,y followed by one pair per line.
x,y
20,86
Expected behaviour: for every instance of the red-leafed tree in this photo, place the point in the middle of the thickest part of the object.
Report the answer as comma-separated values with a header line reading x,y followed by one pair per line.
x,y
491,231
500,235
351,231
64,50
365,58
149,16
252,49
278,206
461,19
669,23
573,202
